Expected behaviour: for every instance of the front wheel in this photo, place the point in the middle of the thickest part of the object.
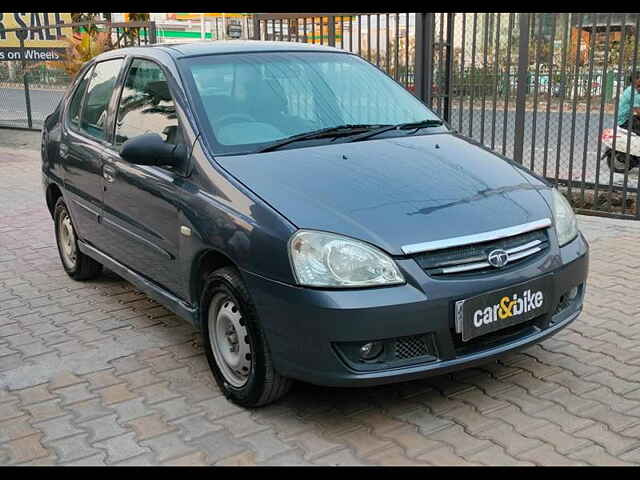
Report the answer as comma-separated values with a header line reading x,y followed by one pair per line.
x,y
235,345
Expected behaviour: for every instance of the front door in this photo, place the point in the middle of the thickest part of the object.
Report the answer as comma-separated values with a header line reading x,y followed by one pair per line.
x,y
140,211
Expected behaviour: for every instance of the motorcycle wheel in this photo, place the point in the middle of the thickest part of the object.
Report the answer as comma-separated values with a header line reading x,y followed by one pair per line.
x,y
618,162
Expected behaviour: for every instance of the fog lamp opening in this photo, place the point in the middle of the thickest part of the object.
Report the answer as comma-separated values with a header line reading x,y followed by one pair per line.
x,y
371,350
573,293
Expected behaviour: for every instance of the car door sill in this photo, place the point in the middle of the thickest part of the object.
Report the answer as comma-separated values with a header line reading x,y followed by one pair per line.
x,y
153,290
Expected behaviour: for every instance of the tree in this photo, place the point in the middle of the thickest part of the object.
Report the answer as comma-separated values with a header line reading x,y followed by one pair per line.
x,y
85,17
82,48
131,34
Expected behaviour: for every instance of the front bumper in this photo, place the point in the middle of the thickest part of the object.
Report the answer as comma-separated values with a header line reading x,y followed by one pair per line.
x,y
309,330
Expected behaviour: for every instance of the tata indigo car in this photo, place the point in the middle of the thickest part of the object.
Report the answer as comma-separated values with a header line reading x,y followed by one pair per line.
x,y
308,214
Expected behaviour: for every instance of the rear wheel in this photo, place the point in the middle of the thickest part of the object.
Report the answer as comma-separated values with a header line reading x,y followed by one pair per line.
x,y
77,265
618,161
235,345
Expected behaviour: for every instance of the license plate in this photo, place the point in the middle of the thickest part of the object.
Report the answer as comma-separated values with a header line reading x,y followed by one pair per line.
x,y
502,308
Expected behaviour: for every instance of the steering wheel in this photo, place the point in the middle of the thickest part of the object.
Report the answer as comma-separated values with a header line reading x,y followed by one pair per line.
x,y
232,118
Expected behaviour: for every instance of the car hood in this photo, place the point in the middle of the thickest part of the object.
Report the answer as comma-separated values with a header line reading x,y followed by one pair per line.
x,y
393,191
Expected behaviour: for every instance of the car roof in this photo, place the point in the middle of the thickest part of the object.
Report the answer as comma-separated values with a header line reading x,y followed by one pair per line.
x,y
179,50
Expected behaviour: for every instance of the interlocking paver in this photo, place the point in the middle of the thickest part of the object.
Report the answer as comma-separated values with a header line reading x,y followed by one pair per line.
x,y
241,424
426,421
561,441
153,425
73,448
97,460
57,428
194,459
167,446
614,443
596,455
96,373
546,455
15,428
75,393
121,447
141,378
115,394
176,408
219,445
131,409
25,449
341,458
445,456
89,410
495,455
394,457
102,379
102,428
411,440
156,393
10,410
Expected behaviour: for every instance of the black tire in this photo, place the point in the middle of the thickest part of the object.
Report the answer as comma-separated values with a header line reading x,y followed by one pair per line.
x,y
84,267
263,384
619,164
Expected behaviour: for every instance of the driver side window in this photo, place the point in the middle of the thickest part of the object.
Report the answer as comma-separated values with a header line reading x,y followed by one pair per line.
x,y
146,105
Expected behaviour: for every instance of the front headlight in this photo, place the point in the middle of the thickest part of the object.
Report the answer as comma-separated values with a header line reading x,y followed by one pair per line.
x,y
564,218
322,259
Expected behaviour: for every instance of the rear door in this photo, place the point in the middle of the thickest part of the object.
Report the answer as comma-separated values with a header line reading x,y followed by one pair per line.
x,y
83,144
140,216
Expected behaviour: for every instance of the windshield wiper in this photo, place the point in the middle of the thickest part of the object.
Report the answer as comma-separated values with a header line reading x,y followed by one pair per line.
x,y
400,126
324,132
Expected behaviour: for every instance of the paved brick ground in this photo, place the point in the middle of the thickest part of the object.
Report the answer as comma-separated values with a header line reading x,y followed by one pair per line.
x,y
96,373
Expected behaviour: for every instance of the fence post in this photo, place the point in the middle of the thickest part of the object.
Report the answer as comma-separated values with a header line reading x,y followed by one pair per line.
x,y
152,33
521,91
256,28
448,79
424,57
331,31
27,97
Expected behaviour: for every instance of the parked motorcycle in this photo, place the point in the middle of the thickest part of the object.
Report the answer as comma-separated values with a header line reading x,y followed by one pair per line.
x,y
617,161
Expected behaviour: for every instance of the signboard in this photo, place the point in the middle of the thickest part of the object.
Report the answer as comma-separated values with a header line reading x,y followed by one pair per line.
x,y
45,42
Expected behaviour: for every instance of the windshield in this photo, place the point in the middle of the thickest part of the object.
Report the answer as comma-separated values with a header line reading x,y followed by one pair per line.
x,y
251,100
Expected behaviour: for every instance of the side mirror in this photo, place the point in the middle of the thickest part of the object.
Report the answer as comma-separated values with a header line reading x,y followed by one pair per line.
x,y
150,149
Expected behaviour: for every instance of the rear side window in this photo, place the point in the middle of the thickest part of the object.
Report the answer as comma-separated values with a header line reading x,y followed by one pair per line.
x,y
73,114
96,104
146,105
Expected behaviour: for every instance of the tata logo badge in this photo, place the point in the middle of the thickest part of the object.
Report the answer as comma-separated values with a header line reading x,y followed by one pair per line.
x,y
498,258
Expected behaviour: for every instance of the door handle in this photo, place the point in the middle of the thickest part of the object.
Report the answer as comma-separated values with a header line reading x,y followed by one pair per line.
x,y
109,173
63,150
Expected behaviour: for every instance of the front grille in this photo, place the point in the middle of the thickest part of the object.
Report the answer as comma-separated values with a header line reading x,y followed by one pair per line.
x,y
410,347
473,258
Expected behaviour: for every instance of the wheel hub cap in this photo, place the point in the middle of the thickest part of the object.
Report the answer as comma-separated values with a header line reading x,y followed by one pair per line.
x,y
229,340
67,241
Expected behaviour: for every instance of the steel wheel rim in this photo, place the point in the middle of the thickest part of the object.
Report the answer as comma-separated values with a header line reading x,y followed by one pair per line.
x,y
229,340
67,241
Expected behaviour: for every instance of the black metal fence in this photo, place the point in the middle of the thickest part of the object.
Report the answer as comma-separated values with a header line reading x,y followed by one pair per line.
x,y
30,88
537,87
